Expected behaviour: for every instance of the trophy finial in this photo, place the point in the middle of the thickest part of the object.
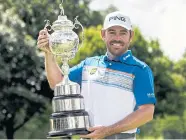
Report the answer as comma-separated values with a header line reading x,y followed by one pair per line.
x,y
61,7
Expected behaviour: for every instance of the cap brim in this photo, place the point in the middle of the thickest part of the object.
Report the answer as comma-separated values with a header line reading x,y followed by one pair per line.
x,y
111,25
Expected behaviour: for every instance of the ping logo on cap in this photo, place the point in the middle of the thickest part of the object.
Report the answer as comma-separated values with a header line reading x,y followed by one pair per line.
x,y
117,18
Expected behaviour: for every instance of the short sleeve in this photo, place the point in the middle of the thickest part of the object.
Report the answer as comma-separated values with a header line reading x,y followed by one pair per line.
x,y
75,74
144,86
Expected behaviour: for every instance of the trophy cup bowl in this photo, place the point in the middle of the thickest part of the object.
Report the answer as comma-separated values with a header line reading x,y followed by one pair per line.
x,y
69,116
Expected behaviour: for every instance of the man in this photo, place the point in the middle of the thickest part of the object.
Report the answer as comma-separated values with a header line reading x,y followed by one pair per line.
x,y
117,87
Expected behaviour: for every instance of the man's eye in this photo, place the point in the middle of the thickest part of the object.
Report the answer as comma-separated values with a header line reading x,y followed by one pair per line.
x,y
111,32
123,33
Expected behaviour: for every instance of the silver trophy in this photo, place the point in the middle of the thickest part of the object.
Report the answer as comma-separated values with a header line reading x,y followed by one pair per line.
x,y
69,116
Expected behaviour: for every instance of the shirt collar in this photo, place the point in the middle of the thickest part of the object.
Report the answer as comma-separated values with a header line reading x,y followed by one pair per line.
x,y
122,58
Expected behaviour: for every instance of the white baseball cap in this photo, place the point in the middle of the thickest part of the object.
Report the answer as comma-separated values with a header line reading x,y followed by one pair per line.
x,y
117,19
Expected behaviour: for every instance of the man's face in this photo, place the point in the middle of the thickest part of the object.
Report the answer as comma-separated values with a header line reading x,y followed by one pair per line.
x,y
117,39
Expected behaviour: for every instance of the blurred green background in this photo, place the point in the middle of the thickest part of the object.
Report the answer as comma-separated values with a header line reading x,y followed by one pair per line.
x,y
25,96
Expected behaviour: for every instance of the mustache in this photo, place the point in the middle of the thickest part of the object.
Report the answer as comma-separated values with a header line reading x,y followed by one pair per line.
x,y
117,41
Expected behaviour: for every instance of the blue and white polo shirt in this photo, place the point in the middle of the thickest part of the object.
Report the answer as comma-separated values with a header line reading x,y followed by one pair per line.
x,y
113,89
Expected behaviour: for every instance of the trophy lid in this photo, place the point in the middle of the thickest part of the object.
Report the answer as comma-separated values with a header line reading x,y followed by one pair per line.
x,y
62,22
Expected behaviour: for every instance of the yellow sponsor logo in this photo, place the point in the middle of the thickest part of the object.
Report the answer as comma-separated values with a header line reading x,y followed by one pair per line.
x,y
92,71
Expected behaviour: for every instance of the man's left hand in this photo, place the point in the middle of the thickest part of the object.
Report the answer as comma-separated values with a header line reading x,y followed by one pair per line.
x,y
97,132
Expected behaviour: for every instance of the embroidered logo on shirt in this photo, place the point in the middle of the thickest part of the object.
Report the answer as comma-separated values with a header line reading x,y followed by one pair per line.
x,y
92,71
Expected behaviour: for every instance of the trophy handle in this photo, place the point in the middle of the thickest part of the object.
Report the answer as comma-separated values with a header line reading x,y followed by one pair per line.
x,y
48,26
76,26
50,31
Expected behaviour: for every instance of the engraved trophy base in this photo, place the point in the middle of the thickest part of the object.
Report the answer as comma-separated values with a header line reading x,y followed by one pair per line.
x,y
67,133
67,124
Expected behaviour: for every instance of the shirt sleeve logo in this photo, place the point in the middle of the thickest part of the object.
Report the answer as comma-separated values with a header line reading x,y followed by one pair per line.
x,y
150,95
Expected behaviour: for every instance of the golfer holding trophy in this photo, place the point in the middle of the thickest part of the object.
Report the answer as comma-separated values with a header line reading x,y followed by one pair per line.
x,y
69,116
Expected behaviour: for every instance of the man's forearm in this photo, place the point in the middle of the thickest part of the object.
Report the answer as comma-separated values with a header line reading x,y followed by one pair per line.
x,y
141,116
53,71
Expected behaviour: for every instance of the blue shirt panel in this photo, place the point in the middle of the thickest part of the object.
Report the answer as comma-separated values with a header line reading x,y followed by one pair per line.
x,y
75,74
143,86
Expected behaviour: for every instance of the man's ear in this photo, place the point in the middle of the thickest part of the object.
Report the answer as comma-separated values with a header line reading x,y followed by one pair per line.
x,y
131,35
103,34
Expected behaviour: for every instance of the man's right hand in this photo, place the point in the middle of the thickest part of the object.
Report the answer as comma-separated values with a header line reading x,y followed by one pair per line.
x,y
43,41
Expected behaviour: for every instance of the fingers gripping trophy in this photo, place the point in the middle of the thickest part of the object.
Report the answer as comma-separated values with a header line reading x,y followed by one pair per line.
x,y
69,116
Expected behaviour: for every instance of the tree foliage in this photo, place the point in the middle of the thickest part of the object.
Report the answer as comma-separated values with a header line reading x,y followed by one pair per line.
x,y
21,75
34,13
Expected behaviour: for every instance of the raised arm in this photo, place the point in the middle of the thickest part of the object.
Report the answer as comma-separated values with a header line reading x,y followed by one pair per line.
x,y
53,71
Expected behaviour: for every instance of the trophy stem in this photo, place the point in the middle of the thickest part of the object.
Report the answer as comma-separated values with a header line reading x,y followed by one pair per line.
x,y
65,71
66,80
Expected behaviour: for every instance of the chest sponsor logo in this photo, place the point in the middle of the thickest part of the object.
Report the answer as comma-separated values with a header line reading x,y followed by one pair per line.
x,y
92,71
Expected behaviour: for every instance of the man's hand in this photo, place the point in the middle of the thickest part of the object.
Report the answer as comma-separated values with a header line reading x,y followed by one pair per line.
x,y
43,41
98,132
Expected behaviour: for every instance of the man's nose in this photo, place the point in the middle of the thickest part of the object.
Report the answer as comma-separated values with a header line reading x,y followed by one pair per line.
x,y
117,37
